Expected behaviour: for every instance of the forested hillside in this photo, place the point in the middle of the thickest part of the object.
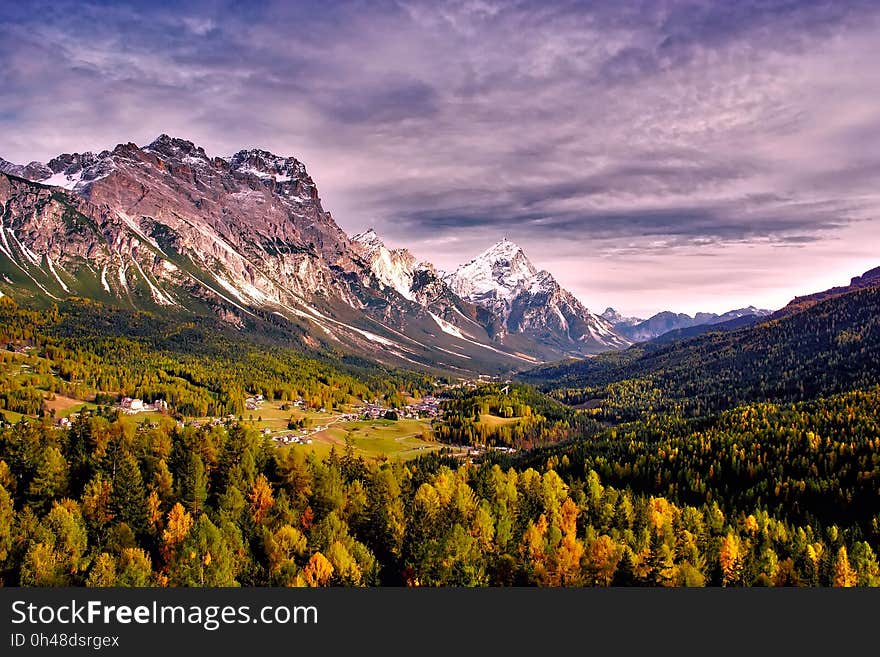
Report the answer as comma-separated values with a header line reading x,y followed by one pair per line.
x,y
815,461
514,416
833,346
83,349
112,503
684,473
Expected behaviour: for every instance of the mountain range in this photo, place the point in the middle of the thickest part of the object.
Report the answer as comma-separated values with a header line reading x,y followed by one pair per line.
x,y
246,239
641,330
826,346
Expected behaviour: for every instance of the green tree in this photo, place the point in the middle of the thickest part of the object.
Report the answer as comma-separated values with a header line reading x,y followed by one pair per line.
x,y
103,571
134,568
194,484
204,558
50,481
128,496
7,524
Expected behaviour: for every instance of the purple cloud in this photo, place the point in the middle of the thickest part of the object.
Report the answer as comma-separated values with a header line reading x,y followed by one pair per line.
x,y
625,144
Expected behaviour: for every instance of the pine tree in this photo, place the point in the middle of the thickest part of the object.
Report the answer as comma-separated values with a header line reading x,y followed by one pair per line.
x,y
7,519
51,479
79,453
194,484
129,497
204,558
625,575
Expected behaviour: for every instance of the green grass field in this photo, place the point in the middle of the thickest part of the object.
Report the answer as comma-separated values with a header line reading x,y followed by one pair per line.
x,y
403,439
12,417
495,421
270,416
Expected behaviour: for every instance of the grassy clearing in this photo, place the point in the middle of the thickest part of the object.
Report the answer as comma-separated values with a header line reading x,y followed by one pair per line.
x,y
64,406
270,416
402,439
495,421
12,417
372,439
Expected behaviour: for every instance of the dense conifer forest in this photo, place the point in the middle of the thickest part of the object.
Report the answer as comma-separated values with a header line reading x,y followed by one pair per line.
x,y
677,465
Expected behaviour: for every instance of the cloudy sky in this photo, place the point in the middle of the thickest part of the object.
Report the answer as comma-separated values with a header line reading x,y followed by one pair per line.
x,y
685,155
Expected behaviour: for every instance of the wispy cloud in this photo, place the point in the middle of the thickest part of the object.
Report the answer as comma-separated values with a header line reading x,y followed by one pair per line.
x,y
632,138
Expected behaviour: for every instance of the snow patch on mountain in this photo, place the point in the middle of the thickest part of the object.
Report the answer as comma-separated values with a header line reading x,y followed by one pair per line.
x,y
55,274
128,221
394,268
28,254
62,179
104,283
446,327
158,295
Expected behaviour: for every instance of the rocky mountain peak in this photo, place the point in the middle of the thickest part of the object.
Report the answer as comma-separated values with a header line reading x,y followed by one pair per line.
x,y
395,268
611,315
174,147
31,171
68,170
616,318
495,276
502,249
370,240
503,280
246,237
268,166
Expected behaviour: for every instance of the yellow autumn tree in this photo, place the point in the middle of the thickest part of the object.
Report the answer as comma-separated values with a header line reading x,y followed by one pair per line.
x,y
568,517
154,512
103,572
318,571
283,546
534,547
345,567
660,513
7,517
844,574
730,560
751,524
96,505
567,562
261,499
602,559
176,529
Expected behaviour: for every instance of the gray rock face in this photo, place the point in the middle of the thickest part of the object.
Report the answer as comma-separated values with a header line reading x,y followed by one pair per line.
x,y
32,171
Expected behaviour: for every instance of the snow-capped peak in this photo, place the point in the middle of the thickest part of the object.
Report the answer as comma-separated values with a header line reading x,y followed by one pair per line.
x,y
503,249
616,318
72,171
369,239
503,280
266,165
495,276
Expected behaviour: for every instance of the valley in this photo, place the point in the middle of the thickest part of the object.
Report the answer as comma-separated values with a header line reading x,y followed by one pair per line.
x,y
205,381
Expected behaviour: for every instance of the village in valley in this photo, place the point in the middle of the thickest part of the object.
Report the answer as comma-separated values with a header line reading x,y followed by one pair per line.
x,y
373,428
